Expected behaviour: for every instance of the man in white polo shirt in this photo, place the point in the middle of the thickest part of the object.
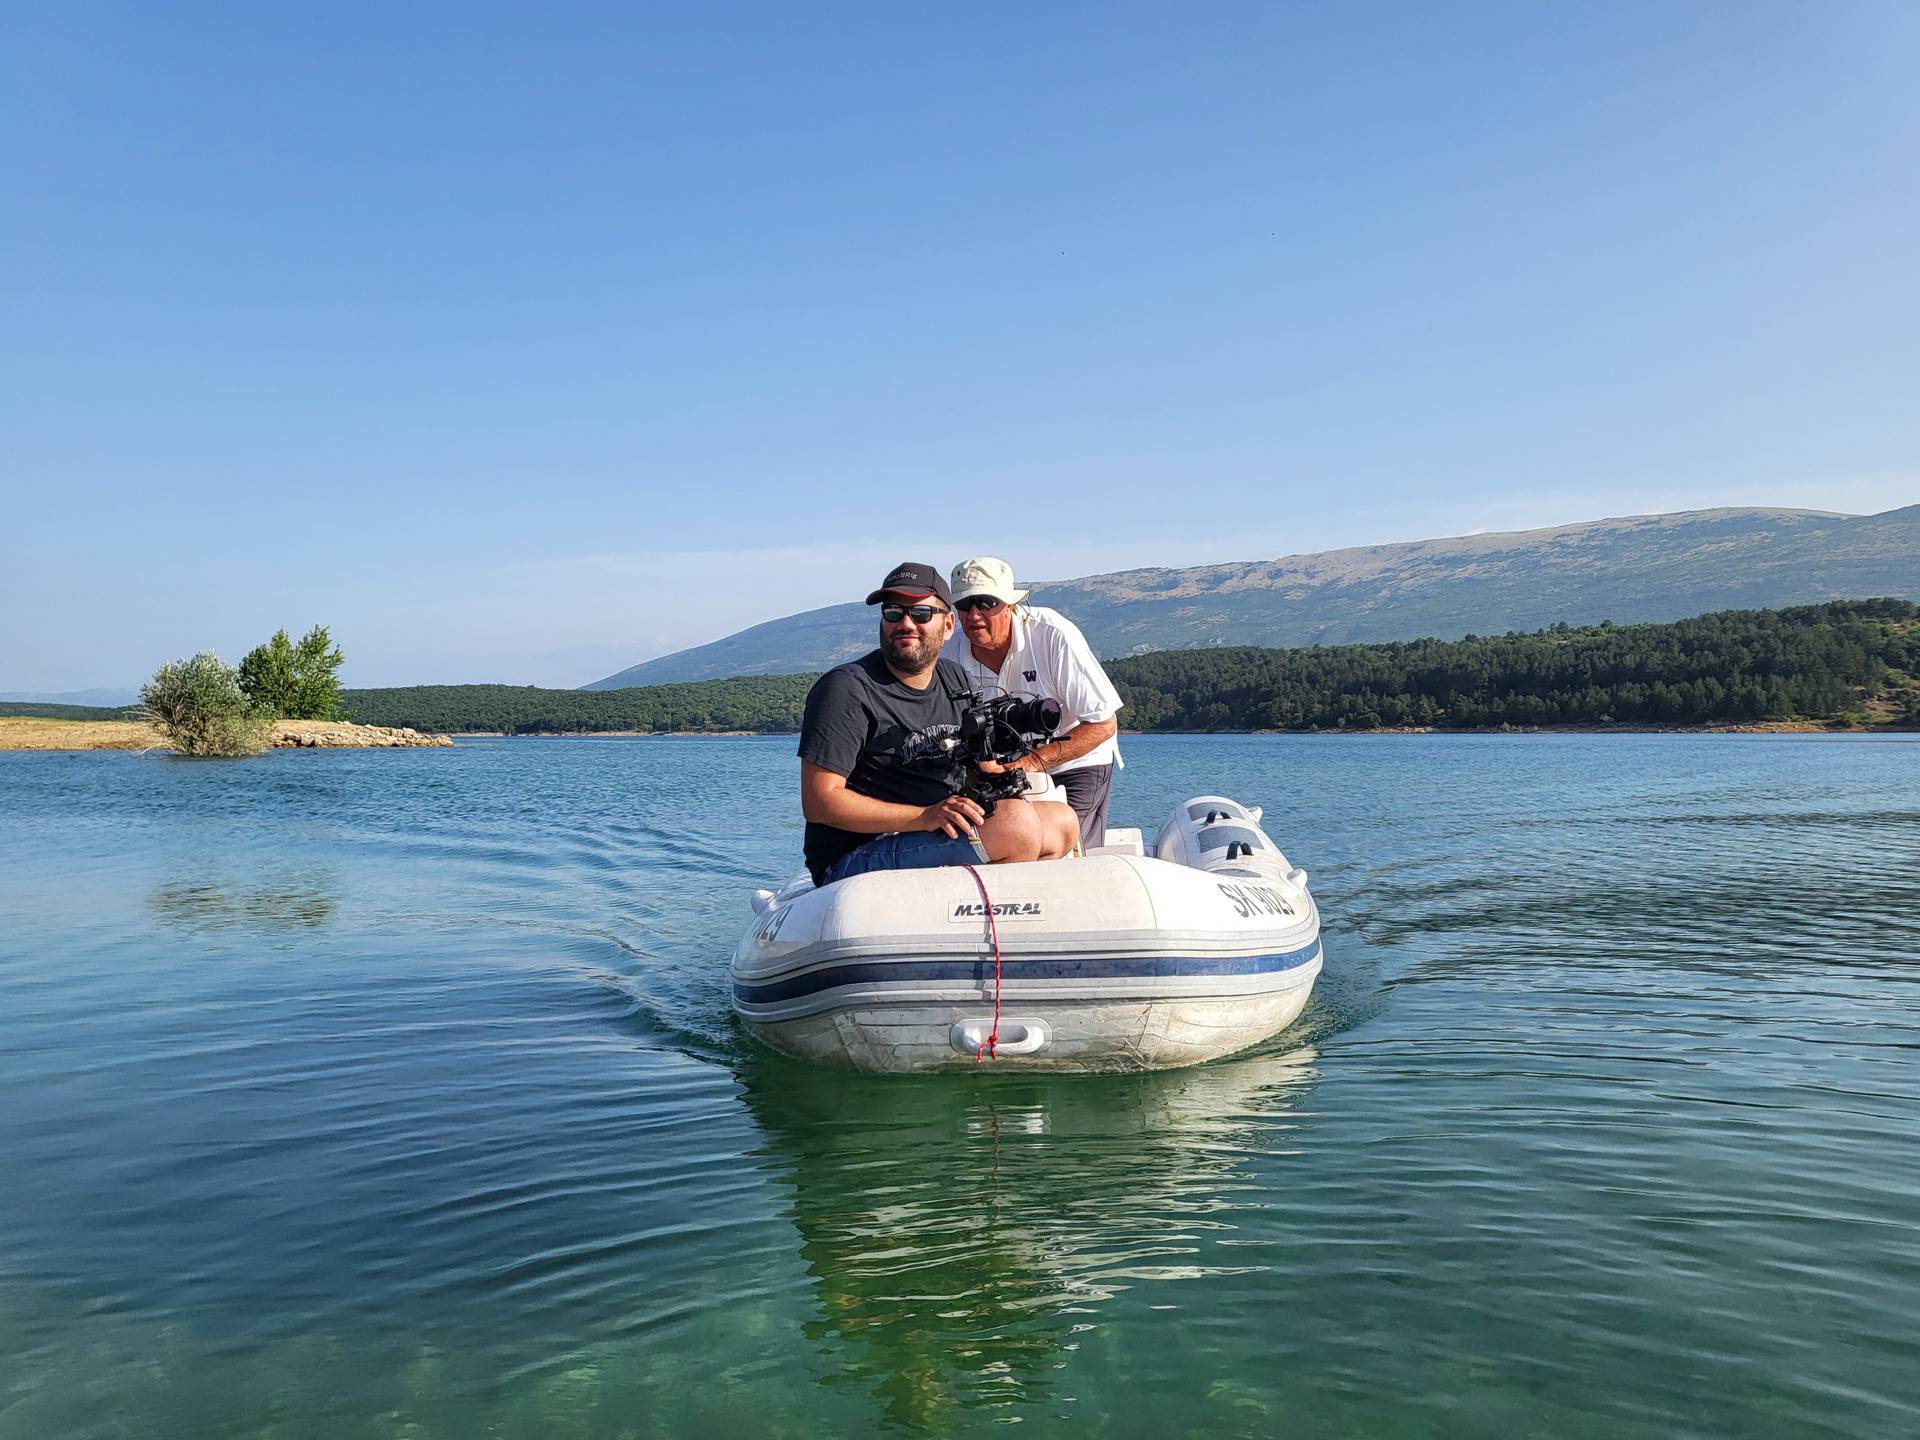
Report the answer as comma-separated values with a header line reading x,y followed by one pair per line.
x,y
1009,646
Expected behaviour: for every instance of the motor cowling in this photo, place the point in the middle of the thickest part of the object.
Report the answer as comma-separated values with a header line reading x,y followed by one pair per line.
x,y
1211,832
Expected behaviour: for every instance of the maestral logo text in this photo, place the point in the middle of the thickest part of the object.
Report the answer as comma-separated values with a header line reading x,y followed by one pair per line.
x,y
1002,910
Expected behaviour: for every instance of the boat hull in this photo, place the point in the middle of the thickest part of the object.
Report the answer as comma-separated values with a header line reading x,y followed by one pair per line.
x,y
1118,961
1094,1034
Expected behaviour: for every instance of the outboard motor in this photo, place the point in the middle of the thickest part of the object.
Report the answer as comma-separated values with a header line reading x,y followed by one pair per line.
x,y
1211,832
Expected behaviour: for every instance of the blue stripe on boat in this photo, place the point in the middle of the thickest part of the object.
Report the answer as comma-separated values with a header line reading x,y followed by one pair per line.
x,y
980,971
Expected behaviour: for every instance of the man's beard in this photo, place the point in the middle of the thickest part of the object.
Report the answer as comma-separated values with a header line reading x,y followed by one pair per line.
x,y
920,657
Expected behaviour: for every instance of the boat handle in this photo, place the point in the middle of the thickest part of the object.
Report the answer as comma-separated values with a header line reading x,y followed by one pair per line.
x,y
1017,1037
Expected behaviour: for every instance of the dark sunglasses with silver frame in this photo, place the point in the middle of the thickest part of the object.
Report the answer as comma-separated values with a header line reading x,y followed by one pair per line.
x,y
922,614
985,604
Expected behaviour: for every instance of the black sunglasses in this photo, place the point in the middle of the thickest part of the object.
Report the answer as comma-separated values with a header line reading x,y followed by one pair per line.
x,y
985,603
922,614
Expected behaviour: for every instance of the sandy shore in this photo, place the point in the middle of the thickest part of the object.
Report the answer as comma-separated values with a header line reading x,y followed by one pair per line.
x,y
29,732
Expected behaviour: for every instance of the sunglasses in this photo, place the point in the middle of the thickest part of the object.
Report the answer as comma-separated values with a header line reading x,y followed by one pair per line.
x,y
922,614
985,604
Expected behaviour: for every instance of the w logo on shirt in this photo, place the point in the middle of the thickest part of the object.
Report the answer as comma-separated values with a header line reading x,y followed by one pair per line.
x,y
1032,676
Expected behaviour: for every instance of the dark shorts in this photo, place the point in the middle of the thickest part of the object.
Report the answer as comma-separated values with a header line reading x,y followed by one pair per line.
x,y
907,850
1087,791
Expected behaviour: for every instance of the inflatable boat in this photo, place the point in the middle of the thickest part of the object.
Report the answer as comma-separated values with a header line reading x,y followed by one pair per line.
x,y
1133,957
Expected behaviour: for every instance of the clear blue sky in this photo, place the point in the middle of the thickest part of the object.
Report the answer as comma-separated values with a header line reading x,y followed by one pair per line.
x,y
525,342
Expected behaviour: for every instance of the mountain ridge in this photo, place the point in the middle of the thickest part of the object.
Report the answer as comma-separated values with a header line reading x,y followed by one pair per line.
x,y
1622,568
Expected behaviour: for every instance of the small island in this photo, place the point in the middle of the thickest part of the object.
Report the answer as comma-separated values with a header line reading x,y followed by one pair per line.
x,y
39,732
285,695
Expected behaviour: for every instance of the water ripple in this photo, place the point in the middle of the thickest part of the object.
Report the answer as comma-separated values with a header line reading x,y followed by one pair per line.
x,y
371,1094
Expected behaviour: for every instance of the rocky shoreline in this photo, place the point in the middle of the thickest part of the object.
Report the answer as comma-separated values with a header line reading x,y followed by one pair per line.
x,y
341,735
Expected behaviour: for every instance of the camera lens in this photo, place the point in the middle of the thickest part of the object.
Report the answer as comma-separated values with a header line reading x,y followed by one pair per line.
x,y
1034,717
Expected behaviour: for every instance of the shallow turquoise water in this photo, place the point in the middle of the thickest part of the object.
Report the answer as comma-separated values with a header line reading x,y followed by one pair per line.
x,y
396,1094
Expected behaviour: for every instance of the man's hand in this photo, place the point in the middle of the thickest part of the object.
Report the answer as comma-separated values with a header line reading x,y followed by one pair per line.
x,y
1025,762
957,815
1082,739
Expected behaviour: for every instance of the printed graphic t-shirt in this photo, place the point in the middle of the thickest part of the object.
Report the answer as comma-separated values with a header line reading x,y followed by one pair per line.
x,y
861,720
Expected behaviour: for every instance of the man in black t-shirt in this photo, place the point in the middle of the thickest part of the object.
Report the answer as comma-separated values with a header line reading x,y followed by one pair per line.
x,y
874,796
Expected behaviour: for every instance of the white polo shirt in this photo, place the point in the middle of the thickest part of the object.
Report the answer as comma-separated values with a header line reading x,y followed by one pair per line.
x,y
1051,659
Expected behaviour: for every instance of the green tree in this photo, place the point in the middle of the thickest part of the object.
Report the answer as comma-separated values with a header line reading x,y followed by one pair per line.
x,y
266,674
297,681
200,705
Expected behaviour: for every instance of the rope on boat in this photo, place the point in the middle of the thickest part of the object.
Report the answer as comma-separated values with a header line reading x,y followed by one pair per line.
x,y
991,1049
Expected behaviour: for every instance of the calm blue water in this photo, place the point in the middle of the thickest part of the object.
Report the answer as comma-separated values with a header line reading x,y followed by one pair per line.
x,y
395,1094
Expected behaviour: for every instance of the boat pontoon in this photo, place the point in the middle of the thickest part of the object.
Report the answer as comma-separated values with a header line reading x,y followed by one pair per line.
x,y
1131,957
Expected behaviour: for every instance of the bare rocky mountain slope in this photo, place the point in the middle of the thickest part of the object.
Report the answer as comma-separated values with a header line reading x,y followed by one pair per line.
x,y
1640,567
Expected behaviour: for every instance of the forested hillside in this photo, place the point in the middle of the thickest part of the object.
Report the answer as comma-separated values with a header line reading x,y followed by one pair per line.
x,y
47,711
762,703
1847,659
1816,662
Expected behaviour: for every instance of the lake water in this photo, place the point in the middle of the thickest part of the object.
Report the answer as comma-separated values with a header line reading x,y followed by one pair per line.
x,y
395,1093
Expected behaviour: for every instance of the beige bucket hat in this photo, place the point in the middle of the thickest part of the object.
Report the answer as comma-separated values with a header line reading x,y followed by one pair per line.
x,y
985,575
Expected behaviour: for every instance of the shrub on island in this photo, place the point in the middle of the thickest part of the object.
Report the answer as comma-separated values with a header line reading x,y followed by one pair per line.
x,y
199,704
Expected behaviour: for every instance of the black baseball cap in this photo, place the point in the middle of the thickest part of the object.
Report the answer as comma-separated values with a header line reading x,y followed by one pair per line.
x,y
914,581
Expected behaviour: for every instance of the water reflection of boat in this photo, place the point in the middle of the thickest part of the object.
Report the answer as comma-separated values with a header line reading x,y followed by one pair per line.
x,y
1134,957
961,1238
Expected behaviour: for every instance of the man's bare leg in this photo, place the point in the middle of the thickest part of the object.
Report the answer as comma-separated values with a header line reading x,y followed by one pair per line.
x,y
1013,832
1060,829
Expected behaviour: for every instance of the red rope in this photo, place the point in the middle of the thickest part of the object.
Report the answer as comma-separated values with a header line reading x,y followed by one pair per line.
x,y
990,1050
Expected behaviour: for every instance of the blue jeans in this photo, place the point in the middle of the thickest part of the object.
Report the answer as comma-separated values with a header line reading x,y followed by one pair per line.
x,y
907,850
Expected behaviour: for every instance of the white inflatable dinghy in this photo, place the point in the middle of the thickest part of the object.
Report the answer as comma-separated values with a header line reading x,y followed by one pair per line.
x,y
1130,958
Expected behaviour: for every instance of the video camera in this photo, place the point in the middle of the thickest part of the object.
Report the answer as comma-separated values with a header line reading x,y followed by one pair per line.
x,y
1003,729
